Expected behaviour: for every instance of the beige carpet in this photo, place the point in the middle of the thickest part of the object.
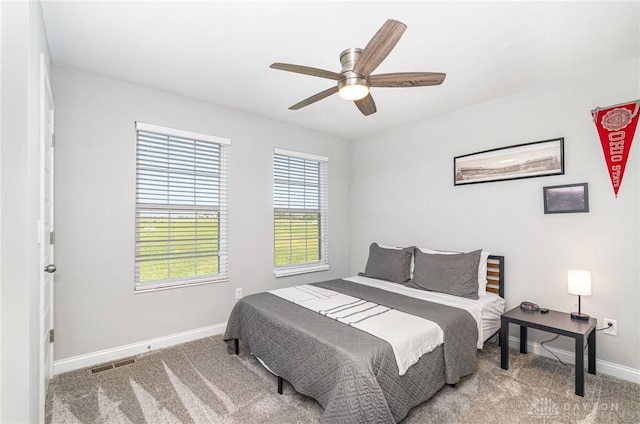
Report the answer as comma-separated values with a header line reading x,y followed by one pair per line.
x,y
198,382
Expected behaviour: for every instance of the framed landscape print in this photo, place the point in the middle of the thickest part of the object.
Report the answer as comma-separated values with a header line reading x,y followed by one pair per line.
x,y
537,159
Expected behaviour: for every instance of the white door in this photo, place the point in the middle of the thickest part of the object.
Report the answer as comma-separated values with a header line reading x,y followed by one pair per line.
x,y
46,235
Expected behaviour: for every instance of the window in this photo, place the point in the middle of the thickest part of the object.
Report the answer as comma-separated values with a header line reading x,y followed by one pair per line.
x,y
300,213
181,208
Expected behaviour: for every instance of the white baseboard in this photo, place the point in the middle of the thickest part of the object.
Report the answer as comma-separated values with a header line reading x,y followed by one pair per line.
x,y
113,354
604,367
108,355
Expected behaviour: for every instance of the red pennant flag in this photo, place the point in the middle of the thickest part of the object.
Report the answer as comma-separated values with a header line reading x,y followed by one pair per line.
x,y
616,127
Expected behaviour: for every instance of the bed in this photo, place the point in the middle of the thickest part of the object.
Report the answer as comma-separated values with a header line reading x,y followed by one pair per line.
x,y
355,375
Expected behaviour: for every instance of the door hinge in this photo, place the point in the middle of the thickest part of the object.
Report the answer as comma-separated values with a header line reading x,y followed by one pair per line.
x,y
53,140
51,336
52,237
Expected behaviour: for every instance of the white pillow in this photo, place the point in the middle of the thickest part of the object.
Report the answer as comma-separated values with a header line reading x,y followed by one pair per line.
x,y
385,246
482,266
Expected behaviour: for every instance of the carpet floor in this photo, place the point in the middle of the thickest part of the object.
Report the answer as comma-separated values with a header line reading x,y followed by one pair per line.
x,y
199,382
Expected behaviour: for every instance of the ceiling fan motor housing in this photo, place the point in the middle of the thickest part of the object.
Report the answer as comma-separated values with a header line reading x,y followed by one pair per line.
x,y
348,59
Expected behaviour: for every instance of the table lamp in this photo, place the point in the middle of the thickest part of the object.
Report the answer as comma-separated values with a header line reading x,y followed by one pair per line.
x,y
580,284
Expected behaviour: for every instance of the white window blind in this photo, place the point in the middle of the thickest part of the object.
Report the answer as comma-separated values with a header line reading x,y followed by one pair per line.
x,y
300,212
181,208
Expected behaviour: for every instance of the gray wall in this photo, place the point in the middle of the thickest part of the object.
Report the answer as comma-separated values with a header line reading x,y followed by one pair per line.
x,y
23,40
96,307
403,194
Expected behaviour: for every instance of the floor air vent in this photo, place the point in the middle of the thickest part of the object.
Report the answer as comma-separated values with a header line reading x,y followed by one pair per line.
x,y
124,362
112,365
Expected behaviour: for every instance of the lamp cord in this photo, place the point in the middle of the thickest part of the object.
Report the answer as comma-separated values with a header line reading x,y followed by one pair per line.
x,y
558,335
545,348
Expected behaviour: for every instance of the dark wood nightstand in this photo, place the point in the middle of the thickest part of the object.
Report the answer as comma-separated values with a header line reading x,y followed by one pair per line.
x,y
553,322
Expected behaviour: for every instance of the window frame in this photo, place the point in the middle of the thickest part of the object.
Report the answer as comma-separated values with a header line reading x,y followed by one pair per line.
x,y
323,211
218,207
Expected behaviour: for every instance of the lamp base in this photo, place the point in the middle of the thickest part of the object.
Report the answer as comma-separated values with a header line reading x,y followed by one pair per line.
x,y
580,316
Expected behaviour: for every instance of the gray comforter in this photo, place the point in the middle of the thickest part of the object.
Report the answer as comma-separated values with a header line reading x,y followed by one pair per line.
x,y
351,373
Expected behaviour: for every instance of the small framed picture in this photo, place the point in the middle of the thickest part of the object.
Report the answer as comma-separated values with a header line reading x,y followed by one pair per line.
x,y
568,198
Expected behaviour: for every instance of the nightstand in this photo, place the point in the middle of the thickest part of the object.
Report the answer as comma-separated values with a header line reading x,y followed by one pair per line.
x,y
553,322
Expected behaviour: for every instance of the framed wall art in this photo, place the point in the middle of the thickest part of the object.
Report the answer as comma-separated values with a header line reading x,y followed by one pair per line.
x,y
568,198
536,159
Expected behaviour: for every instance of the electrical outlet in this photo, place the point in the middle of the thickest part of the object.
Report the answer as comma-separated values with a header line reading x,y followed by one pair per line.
x,y
612,325
238,293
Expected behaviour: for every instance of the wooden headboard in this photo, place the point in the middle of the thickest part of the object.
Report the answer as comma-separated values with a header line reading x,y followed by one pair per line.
x,y
495,275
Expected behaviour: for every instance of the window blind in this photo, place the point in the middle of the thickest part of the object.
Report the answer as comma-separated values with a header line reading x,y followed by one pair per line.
x,y
181,208
300,208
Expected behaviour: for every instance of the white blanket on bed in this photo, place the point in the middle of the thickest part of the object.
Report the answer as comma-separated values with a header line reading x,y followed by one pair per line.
x,y
409,336
489,305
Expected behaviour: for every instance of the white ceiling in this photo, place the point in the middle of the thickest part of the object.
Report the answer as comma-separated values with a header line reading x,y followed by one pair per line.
x,y
220,51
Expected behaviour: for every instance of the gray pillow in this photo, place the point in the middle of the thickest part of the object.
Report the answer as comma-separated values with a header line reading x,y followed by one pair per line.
x,y
451,274
389,264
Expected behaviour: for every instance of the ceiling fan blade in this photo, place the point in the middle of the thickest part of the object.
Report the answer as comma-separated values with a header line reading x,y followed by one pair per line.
x,y
315,72
319,96
379,47
366,105
406,79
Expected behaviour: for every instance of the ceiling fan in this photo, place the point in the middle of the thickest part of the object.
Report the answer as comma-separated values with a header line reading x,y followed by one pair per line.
x,y
355,79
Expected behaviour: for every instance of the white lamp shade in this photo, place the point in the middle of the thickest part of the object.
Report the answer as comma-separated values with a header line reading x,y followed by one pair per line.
x,y
579,282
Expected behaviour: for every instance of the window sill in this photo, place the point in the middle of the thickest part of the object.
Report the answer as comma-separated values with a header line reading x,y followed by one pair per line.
x,y
174,285
286,272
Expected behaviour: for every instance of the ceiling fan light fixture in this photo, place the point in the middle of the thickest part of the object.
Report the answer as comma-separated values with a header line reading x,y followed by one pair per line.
x,y
353,88
353,92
